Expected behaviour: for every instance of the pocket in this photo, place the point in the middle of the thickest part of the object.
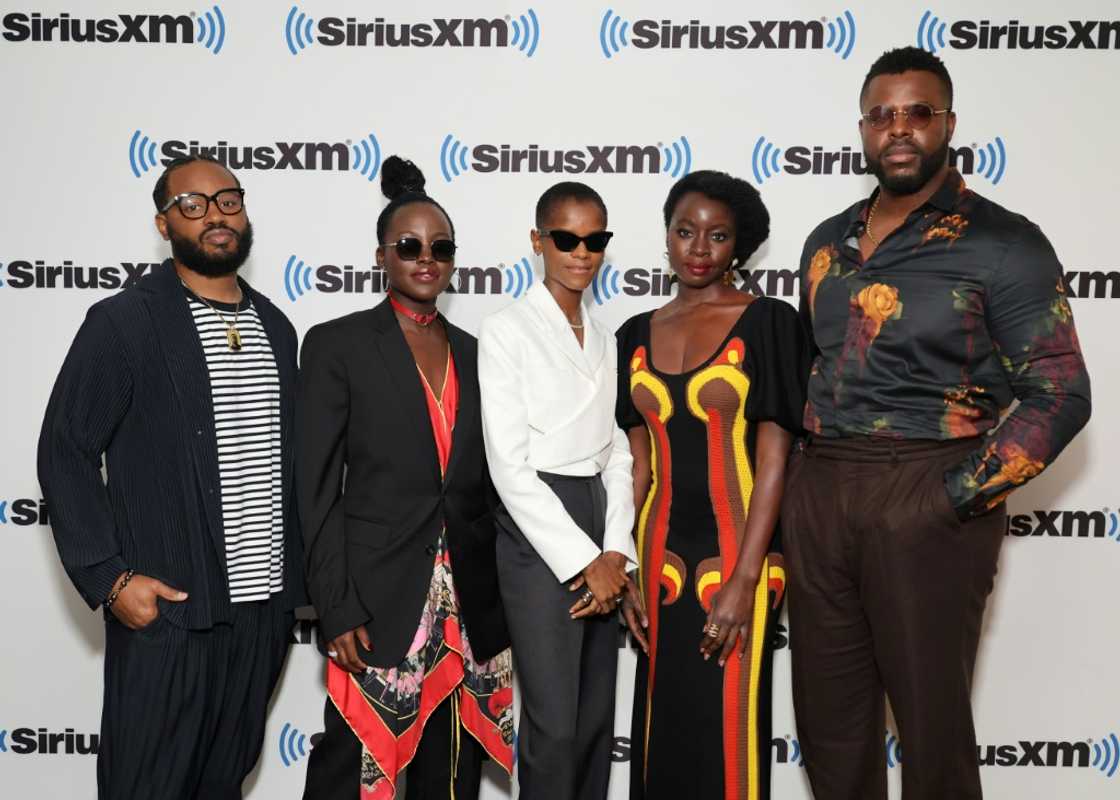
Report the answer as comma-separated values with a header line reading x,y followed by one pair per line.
x,y
365,533
940,503
153,629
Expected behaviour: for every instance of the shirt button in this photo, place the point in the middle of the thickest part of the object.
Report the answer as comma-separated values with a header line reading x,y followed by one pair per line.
x,y
430,549
198,432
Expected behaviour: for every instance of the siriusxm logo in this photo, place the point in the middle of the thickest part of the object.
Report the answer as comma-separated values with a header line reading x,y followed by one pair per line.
x,y
1102,755
21,274
24,511
1103,524
207,28
362,156
521,32
611,281
301,278
673,159
967,34
294,745
29,741
837,34
769,160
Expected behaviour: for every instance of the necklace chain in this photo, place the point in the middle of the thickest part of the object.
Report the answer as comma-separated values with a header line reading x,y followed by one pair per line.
x,y
871,216
233,335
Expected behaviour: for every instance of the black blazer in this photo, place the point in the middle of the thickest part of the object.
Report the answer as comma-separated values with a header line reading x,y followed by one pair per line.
x,y
371,497
134,388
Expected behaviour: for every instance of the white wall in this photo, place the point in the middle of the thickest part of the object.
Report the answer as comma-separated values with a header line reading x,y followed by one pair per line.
x,y
70,113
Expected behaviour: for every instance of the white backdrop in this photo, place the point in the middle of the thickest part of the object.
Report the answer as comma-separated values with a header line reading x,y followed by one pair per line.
x,y
474,104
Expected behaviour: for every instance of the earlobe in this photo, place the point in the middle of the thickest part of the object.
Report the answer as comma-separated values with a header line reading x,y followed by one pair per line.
x,y
379,256
535,240
161,226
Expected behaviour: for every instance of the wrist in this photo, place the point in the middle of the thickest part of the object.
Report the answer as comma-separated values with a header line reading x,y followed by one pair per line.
x,y
746,575
119,587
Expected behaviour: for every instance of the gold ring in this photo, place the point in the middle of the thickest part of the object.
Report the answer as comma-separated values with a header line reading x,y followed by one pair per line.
x,y
711,631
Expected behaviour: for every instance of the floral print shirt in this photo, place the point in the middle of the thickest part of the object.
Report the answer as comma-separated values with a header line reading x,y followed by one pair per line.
x,y
958,312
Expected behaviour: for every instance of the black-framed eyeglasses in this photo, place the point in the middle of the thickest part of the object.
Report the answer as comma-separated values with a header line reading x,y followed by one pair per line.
x,y
919,115
409,248
196,205
566,241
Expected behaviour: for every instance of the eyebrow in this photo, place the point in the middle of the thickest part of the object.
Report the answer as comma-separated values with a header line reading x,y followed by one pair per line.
x,y
690,221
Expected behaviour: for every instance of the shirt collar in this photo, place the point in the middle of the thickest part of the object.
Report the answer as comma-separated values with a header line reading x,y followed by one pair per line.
x,y
945,199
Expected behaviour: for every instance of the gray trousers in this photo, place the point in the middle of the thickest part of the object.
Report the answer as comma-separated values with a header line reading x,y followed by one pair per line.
x,y
565,668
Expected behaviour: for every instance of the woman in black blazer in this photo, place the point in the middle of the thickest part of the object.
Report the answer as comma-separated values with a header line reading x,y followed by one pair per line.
x,y
395,499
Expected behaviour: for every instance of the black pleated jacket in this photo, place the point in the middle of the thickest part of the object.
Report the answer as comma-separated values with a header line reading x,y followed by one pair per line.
x,y
134,390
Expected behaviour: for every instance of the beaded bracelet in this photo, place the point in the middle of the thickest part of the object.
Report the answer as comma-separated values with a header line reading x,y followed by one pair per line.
x,y
117,592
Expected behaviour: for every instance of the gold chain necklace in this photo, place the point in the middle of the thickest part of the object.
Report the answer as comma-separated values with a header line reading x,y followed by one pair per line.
x,y
233,336
871,216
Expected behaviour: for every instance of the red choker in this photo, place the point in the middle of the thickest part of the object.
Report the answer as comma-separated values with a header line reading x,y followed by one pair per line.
x,y
420,319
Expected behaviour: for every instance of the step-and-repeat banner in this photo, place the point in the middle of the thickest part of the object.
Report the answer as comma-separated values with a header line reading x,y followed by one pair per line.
x,y
496,101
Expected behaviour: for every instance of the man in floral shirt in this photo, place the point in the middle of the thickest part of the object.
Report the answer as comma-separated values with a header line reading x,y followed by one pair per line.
x,y
931,310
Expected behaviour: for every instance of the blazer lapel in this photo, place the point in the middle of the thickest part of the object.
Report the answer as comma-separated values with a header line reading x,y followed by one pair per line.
x,y
556,327
404,377
186,369
467,414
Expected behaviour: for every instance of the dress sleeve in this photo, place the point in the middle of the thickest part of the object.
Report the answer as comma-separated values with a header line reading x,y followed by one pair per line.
x,y
625,414
779,359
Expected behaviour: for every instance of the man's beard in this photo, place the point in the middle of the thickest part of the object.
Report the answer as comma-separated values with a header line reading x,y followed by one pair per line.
x,y
928,165
190,254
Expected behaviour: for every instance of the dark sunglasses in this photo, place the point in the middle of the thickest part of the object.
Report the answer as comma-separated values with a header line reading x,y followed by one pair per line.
x,y
409,248
566,241
918,115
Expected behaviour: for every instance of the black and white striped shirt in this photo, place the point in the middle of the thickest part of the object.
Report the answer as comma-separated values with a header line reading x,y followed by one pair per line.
x,y
245,388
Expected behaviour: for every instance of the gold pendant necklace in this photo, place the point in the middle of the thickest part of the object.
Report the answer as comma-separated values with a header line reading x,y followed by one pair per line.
x,y
233,335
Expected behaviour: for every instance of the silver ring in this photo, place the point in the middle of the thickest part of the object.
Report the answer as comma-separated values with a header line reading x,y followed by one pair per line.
x,y
332,653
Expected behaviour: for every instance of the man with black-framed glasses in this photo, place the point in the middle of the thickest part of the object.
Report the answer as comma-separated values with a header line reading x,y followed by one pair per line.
x,y
931,310
184,386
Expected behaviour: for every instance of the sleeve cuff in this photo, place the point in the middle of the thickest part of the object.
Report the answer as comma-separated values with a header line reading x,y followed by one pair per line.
x,y
341,619
95,582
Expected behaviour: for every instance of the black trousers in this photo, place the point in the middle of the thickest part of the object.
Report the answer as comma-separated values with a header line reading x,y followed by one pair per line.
x,y
565,668
886,595
184,711
335,766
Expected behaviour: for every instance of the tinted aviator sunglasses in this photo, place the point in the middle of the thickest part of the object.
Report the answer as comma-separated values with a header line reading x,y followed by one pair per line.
x,y
566,241
409,248
919,115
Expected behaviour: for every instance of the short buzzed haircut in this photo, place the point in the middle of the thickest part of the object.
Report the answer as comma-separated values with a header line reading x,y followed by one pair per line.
x,y
908,59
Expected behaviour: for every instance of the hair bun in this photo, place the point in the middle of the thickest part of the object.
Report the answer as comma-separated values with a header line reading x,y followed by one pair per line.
x,y
400,176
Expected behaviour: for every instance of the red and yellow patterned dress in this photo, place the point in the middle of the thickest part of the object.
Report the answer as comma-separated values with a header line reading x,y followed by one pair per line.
x,y
699,730
388,708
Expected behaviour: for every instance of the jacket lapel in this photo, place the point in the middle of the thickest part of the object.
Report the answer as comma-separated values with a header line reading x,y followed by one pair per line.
x,y
556,327
186,369
404,377
467,414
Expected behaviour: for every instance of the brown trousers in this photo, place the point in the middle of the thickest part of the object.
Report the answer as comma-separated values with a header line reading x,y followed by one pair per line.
x,y
886,595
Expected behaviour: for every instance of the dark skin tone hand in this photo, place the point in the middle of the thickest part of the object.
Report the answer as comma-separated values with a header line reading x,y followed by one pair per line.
x,y
136,605
684,334
605,578
415,285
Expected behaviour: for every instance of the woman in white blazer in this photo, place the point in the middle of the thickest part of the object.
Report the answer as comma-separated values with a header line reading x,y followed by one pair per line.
x,y
548,379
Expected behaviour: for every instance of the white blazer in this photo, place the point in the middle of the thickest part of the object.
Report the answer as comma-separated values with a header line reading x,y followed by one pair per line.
x,y
549,405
